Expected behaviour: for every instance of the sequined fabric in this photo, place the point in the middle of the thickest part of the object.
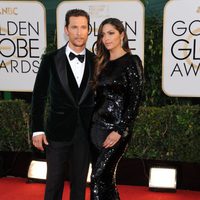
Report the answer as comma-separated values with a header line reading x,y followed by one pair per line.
x,y
118,95
103,178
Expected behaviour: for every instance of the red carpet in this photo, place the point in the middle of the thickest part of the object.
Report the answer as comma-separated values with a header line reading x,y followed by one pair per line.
x,y
18,189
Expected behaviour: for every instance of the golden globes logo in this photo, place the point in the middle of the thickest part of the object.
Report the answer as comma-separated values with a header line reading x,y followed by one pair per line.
x,y
22,42
97,11
8,11
19,43
181,48
186,48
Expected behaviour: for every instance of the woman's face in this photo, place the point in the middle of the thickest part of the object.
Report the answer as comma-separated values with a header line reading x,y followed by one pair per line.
x,y
111,37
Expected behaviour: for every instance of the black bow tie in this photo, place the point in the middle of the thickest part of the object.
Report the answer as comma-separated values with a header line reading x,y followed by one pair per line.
x,y
72,56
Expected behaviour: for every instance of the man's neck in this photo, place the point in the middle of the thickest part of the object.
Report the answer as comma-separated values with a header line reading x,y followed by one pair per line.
x,y
75,48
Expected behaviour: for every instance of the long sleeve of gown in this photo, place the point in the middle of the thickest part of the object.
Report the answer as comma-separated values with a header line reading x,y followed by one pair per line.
x,y
134,92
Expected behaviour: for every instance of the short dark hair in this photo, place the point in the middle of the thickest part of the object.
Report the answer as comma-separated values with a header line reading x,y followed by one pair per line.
x,y
76,13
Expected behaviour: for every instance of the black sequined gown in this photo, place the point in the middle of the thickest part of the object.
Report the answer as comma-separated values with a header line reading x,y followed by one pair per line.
x,y
118,94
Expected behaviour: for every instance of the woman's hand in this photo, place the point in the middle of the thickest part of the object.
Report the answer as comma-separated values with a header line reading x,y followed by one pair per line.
x,y
111,139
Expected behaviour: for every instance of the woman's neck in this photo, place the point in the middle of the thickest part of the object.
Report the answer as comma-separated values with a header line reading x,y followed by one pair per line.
x,y
116,54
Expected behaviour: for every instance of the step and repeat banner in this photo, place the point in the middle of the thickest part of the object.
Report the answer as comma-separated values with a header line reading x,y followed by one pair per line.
x,y
181,48
23,39
22,42
130,12
23,34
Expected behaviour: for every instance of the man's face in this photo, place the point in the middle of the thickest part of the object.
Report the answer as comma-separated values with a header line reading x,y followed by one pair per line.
x,y
77,32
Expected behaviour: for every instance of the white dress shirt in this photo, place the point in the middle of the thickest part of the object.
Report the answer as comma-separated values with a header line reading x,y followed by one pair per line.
x,y
77,69
76,66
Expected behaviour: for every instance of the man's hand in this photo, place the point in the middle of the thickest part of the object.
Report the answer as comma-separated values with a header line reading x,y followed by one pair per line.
x,y
39,140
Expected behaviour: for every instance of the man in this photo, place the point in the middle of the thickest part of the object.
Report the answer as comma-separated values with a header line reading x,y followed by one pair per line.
x,y
66,78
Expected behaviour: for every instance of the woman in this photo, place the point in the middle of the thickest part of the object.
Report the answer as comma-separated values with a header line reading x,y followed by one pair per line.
x,y
118,83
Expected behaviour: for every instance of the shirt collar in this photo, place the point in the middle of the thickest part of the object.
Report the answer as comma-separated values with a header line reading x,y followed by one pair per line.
x,y
68,50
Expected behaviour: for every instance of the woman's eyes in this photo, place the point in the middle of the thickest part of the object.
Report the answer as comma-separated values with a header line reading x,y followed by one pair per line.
x,y
109,33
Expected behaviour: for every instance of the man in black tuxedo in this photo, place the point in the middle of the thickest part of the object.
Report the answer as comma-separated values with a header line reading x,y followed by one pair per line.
x,y
65,76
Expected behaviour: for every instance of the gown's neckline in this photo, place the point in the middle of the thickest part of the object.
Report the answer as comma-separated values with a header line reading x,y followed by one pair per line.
x,y
127,53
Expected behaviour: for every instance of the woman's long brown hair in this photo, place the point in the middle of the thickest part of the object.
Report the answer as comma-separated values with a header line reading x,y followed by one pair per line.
x,y
102,54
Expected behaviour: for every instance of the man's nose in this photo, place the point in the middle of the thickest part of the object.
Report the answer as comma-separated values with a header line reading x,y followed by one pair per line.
x,y
78,31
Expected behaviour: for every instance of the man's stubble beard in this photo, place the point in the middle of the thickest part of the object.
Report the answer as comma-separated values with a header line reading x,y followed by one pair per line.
x,y
76,44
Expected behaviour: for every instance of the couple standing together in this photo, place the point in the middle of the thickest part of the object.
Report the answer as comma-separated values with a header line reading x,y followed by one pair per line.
x,y
93,102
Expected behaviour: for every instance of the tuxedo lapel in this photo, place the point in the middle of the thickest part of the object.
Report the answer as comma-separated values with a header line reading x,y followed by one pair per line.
x,y
61,62
88,66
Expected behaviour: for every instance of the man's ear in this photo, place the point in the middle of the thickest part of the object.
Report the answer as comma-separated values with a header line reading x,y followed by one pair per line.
x,y
66,31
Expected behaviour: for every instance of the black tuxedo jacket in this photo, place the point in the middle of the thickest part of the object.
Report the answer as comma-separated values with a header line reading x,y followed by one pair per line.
x,y
64,113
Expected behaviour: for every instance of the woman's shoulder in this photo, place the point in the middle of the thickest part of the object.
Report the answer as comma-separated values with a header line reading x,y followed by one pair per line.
x,y
134,58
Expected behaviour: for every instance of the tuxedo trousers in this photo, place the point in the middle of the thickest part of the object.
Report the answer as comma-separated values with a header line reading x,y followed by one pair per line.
x,y
77,154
